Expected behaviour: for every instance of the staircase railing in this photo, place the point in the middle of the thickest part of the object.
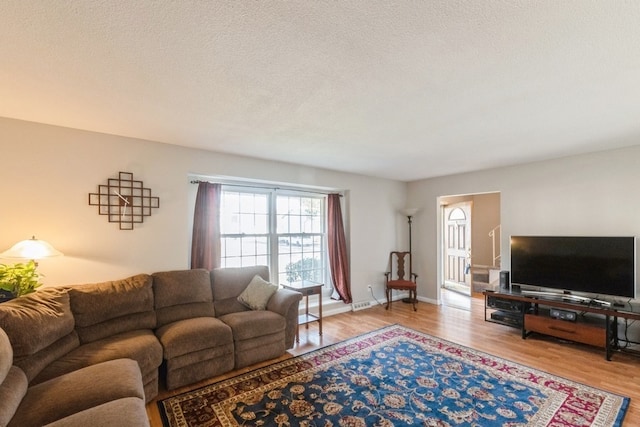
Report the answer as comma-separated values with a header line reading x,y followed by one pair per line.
x,y
495,233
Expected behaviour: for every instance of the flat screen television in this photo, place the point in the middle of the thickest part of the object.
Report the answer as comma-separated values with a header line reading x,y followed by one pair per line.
x,y
594,265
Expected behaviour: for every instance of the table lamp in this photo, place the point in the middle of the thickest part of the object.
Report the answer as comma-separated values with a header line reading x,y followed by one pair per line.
x,y
20,279
31,249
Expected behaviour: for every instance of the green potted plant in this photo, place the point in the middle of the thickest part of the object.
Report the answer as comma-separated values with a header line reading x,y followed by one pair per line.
x,y
19,279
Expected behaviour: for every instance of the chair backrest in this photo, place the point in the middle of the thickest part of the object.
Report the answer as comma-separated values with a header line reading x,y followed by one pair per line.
x,y
400,266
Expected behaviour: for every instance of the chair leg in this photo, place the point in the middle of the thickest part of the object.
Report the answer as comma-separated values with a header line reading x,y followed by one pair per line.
x,y
414,298
388,293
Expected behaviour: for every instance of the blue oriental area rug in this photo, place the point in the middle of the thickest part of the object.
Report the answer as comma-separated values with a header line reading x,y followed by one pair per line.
x,y
395,377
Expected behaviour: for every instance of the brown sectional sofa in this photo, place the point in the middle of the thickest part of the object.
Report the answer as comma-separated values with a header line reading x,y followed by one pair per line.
x,y
93,354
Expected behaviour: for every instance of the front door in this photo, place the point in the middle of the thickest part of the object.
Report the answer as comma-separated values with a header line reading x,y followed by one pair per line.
x,y
457,246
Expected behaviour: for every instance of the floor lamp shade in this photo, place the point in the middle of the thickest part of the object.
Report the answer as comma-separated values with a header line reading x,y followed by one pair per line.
x,y
410,211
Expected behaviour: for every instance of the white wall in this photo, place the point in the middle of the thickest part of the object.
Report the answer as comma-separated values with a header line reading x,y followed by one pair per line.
x,y
47,172
593,194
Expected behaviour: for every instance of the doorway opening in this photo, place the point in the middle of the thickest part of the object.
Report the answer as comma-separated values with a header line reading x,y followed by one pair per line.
x,y
457,247
469,247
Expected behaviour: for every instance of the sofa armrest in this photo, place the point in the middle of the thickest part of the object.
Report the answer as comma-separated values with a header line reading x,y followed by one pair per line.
x,y
281,301
285,302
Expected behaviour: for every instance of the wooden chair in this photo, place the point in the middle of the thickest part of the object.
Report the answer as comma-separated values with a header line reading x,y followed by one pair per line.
x,y
395,277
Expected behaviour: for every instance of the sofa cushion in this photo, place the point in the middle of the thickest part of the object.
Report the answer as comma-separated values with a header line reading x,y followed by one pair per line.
x,y
108,308
228,283
129,411
257,294
220,358
196,349
194,367
257,335
253,324
150,381
132,322
141,346
249,352
190,335
6,355
12,391
229,305
79,390
182,294
32,365
36,320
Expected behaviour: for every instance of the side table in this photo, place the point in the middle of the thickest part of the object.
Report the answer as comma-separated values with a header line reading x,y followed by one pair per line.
x,y
306,288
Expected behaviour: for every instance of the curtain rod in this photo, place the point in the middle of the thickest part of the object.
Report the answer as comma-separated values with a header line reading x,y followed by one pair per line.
x,y
198,181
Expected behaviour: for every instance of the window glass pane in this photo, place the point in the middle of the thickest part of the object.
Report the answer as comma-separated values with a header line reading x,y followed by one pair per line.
x,y
261,224
317,224
294,206
306,268
294,224
229,221
244,251
282,212
282,205
247,202
261,204
232,262
230,246
247,225
457,214
282,225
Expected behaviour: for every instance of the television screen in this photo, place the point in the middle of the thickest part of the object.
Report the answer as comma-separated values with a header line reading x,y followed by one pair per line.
x,y
596,265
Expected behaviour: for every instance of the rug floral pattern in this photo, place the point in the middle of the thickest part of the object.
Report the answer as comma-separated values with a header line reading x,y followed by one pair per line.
x,y
395,377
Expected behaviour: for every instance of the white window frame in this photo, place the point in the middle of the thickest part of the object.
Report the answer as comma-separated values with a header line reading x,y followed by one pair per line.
x,y
275,239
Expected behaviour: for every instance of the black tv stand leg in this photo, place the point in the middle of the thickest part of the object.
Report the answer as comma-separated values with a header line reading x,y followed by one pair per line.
x,y
611,337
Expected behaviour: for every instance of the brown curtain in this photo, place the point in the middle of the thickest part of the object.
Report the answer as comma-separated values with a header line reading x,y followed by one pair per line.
x,y
205,243
338,249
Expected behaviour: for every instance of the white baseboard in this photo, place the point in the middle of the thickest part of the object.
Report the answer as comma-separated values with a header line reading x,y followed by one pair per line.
x,y
338,307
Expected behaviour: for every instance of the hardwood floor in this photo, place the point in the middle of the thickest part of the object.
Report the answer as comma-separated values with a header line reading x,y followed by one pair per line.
x,y
461,320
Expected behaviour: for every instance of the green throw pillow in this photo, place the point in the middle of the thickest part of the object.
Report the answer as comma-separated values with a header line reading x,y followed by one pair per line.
x,y
257,294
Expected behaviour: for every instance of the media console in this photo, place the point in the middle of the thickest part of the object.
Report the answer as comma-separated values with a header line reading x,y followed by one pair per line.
x,y
592,324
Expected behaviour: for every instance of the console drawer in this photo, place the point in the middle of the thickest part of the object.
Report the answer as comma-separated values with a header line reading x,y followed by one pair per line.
x,y
582,332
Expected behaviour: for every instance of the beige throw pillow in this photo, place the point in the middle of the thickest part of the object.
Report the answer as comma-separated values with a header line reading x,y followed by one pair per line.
x,y
257,294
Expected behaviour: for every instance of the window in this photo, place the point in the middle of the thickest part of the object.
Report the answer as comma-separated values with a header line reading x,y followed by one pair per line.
x,y
300,229
244,228
282,229
457,215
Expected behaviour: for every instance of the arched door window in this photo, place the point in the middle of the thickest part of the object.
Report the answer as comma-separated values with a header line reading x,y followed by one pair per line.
x,y
457,215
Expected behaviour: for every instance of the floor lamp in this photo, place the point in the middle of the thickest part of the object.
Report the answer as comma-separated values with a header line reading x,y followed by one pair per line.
x,y
409,213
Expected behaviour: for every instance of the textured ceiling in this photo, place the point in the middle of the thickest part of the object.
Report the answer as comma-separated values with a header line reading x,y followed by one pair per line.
x,y
403,90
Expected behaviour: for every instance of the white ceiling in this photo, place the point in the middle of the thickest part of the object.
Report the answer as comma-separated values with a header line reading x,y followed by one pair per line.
x,y
395,89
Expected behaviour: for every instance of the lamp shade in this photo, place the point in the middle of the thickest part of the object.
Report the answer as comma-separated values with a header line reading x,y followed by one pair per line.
x,y
410,211
31,249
